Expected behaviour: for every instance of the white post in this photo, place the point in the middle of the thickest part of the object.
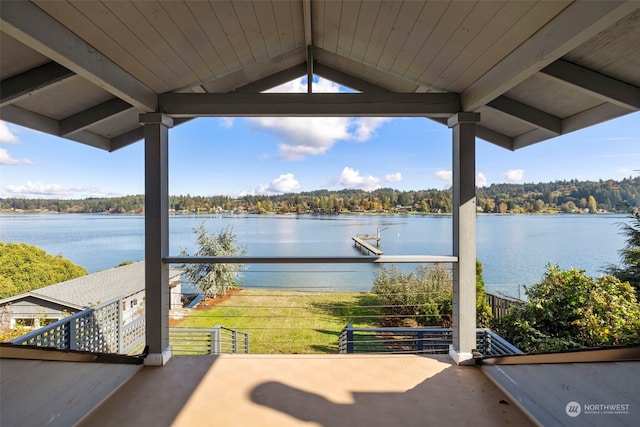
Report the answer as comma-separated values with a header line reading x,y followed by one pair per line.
x,y
464,237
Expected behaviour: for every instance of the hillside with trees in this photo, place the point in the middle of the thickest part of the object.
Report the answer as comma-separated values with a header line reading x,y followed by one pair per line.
x,y
560,196
25,268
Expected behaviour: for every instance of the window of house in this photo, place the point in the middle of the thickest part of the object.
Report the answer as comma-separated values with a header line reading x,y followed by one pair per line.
x,y
25,322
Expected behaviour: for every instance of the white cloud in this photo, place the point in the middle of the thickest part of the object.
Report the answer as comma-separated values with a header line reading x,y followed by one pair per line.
x,y
444,176
481,180
393,177
285,183
226,122
39,190
304,136
6,136
351,178
6,159
365,127
514,175
311,136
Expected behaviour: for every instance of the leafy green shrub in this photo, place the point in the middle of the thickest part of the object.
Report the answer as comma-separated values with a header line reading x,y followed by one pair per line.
x,y
24,268
426,295
483,309
568,309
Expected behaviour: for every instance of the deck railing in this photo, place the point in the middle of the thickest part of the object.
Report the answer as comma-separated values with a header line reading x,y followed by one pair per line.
x,y
500,305
416,341
216,340
96,329
99,329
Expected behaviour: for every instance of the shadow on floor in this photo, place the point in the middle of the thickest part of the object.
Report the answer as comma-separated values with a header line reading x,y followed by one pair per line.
x,y
442,399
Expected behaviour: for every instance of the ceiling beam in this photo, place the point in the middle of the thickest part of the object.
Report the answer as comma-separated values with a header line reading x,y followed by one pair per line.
x,y
489,135
348,80
92,116
28,119
28,83
531,137
265,83
35,121
576,24
527,113
273,80
598,114
308,28
604,87
317,104
30,25
308,41
92,139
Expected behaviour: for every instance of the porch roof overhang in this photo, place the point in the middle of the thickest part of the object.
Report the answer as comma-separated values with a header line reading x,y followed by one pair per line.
x,y
84,71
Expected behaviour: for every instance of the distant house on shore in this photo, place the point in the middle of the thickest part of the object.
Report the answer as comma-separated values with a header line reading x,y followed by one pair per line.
x,y
46,305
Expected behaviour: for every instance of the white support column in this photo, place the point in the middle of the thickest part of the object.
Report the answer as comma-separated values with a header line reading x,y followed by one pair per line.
x,y
464,236
156,218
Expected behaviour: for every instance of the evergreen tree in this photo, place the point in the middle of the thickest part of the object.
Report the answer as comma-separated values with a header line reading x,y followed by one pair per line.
x,y
214,279
629,269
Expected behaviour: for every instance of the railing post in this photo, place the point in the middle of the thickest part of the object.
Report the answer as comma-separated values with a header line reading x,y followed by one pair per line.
x,y
246,343
216,340
234,340
73,341
349,330
120,327
420,344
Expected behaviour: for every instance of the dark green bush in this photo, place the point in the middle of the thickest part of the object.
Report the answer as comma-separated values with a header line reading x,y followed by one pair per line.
x,y
568,309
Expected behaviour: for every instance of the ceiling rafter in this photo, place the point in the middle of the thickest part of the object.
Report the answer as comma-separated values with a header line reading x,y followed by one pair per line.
x,y
28,83
524,112
604,87
31,26
265,83
32,120
308,41
577,23
348,80
92,116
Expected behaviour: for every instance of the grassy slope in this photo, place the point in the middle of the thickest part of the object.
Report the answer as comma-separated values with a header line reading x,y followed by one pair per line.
x,y
289,321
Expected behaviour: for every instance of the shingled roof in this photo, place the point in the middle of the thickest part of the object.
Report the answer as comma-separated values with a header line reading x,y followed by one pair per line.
x,y
101,286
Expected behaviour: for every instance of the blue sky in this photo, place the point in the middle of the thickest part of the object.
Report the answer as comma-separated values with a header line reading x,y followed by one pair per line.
x,y
212,156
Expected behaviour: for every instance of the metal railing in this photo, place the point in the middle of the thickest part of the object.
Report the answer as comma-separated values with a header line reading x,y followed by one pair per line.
x,y
416,341
500,305
216,340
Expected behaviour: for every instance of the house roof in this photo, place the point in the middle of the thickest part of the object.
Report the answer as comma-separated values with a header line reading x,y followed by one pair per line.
x,y
34,295
84,71
95,288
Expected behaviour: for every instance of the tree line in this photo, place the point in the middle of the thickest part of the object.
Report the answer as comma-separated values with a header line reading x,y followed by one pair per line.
x,y
560,196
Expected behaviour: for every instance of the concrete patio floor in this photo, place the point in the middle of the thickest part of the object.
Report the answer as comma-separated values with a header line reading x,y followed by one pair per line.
x,y
308,390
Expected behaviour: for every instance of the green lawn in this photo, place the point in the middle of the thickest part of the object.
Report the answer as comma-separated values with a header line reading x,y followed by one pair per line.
x,y
289,322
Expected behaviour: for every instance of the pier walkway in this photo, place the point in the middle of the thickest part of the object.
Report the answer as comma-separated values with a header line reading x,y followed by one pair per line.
x,y
361,243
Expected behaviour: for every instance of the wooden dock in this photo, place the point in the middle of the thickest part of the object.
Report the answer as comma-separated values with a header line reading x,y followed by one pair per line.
x,y
362,244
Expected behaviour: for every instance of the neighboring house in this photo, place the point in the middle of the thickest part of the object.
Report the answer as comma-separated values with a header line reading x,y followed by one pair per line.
x,y
49,304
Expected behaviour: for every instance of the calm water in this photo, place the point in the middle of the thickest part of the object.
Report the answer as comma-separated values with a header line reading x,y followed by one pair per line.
x,y
514,249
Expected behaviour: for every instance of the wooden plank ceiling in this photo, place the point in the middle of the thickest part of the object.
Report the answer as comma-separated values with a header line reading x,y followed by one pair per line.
x,y
84,70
